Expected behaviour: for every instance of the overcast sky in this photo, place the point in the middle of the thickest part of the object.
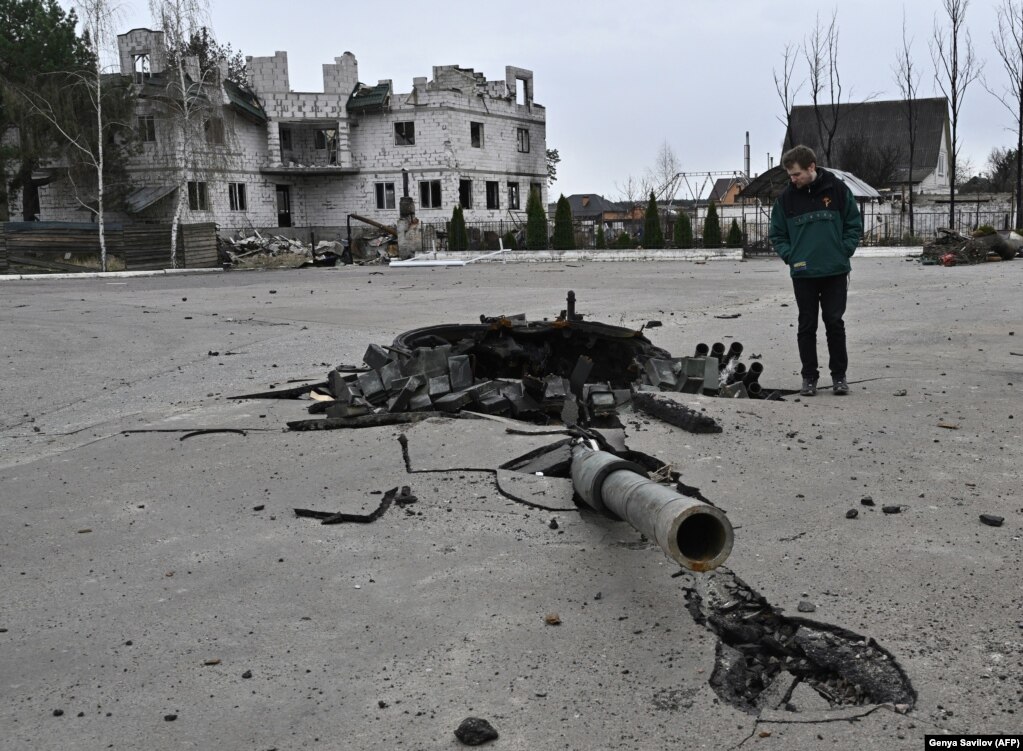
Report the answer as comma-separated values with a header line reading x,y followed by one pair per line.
x,y
619,79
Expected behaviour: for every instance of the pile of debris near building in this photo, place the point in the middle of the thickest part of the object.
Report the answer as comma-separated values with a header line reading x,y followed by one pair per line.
x,y
950,248
259,250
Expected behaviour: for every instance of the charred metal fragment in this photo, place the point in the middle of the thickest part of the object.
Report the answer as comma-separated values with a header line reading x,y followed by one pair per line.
x,y
208,431
673,413
337,517
762,654
292,393
374,420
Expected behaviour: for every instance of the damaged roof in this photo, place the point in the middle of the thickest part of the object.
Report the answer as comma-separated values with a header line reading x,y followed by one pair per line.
x,y
369,98
245,102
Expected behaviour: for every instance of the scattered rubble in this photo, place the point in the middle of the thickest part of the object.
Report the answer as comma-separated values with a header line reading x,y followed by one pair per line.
x,y
950,248
475,731
992,520
257,250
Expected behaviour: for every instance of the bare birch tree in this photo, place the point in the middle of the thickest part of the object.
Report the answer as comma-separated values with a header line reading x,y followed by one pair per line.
x,y
1008,42
955,68
908,79
665,176
787,91
188,109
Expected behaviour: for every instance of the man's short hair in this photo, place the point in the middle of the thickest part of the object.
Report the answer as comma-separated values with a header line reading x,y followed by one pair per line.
x,y
801,155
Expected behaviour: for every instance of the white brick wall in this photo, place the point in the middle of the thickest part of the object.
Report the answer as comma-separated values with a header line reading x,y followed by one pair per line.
x,y
441,109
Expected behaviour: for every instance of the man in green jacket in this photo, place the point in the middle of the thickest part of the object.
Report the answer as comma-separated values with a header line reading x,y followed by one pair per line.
x,y
815,228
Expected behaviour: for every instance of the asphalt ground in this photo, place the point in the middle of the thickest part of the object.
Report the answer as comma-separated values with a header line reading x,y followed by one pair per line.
x,y
160,593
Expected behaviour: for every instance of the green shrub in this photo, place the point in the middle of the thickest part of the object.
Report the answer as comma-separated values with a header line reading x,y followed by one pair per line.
x,y
623,241
536,222
712,228
653,236
984,229
683,231
509,241
458,238
601,239
564,238
734,239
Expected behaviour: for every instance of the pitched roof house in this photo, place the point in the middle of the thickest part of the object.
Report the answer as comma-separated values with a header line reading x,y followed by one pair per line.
x,y
872,141
726,190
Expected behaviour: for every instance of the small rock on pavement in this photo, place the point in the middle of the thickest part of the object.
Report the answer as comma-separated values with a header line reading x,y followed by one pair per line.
x,y
805,606
867,500
553,524
991,520
892,509
475,731
851,513
552,619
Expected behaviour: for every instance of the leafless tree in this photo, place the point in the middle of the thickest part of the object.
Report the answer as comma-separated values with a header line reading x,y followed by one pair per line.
x,y
821,53
955,68
666,174
1008,42
877,165
908,79
188,109
787,91
633,191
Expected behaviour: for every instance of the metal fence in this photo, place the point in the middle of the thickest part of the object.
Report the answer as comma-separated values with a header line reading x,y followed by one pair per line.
x,y
882,227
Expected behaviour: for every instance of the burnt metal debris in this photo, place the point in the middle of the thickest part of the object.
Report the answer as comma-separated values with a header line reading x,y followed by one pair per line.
x,y
763,656
950,248
566,370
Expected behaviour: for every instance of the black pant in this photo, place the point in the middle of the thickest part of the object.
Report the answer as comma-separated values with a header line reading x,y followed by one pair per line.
x,y
826,294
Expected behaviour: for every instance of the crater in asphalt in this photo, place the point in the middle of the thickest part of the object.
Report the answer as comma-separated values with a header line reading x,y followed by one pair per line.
x,y
763,657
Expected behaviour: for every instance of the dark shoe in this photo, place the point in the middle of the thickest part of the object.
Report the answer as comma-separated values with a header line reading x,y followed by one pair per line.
x,y
840,387
809,387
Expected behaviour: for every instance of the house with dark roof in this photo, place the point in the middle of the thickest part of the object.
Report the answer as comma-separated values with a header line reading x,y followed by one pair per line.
x,y
871,140
725,191
590,208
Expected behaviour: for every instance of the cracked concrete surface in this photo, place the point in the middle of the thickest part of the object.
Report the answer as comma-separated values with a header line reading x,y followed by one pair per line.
x,y
131,560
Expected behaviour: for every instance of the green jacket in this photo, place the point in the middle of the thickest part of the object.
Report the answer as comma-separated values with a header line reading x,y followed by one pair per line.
x,y
816,229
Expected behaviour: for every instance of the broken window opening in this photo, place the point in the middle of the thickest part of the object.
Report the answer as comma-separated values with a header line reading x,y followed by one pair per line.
x,y
385,195
326,138
523,140
236,196
285,136
147,128
538,189
520,91
513,195
465,194
140,65
198,199
214,128
493,194
429,194
476,135
405,134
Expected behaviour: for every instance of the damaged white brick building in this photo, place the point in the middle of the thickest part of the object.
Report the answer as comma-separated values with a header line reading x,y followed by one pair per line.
x,y
274,157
